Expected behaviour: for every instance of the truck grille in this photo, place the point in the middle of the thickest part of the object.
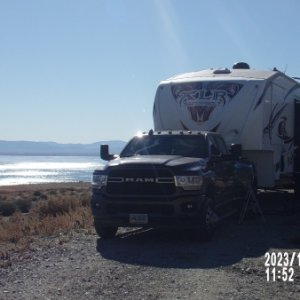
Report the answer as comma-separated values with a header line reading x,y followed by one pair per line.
x,y
140,181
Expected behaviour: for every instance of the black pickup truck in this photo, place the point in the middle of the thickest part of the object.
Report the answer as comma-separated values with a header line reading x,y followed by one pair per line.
x,y
173,179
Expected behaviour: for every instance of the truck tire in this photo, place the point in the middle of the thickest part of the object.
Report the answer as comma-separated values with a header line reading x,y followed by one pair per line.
x,y
208,225
105,232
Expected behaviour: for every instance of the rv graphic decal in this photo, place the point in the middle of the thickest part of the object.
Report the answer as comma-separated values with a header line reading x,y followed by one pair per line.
x,y
277,126
292,90
183,126
201,98
276,118
282,132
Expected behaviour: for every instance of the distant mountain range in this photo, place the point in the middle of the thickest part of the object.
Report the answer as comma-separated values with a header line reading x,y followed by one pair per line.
x,y
52,148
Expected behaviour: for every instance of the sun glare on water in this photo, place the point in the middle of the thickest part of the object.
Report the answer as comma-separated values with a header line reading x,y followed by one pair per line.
x,y
42,170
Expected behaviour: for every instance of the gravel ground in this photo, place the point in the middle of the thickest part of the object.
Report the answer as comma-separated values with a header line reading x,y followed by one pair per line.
x,y
152,264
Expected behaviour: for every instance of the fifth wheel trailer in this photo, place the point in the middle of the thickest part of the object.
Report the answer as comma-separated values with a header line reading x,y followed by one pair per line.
x,y
259,109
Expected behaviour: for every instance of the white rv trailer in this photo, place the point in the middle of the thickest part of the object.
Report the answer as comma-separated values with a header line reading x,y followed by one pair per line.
x,y
258,109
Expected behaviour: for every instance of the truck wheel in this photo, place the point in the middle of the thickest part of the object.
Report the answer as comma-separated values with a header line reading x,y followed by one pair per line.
x,y
208,225
105,232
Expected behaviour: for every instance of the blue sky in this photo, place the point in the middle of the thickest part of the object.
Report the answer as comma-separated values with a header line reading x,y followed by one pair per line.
x,y
86,71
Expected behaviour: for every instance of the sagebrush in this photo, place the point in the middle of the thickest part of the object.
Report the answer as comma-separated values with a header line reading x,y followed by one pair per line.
x,y
60,212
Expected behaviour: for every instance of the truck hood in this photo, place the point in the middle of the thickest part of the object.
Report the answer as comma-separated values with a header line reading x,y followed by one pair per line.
x,y
164,160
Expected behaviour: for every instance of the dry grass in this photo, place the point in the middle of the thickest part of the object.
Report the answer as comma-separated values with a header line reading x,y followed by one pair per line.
x,y
49,212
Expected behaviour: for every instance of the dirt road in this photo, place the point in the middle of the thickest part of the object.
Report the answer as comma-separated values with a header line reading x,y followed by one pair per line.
x,y
160,265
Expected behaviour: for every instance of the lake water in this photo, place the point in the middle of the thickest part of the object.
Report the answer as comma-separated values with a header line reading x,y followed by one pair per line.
x,y
41,169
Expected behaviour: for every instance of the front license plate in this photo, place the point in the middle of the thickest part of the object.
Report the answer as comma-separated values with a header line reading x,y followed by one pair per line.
x,y
138,219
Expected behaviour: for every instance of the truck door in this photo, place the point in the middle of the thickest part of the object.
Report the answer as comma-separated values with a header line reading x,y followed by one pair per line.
x,y
224,181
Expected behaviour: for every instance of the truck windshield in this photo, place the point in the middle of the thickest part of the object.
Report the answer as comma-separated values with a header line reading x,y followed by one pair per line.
x,y
184,145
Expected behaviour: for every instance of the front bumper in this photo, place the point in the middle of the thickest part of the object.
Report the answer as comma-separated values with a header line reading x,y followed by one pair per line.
x,y
182,211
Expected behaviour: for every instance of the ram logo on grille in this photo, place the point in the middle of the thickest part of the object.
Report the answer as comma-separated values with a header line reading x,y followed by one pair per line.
x,y
140,179
165,180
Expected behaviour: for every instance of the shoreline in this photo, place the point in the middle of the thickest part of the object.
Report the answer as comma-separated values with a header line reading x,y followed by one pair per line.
x,y
43,186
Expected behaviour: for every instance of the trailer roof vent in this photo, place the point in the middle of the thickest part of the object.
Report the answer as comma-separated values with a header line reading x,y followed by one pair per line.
x,y
241,65
221,71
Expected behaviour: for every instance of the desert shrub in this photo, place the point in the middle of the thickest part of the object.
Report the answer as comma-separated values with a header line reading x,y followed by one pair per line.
x,y
51,208
44,197
7,208
34,199
59,214
56,206
37,193
53,192
85,199
24,205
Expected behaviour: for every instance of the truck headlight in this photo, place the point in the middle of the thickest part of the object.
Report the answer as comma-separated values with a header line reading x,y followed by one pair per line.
x,y
98,181
189,182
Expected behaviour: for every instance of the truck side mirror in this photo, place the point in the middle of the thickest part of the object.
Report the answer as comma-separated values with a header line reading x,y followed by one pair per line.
x,y
104,153
236,150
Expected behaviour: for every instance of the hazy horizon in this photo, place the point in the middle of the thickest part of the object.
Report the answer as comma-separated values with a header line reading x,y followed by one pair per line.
x,y
53,148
